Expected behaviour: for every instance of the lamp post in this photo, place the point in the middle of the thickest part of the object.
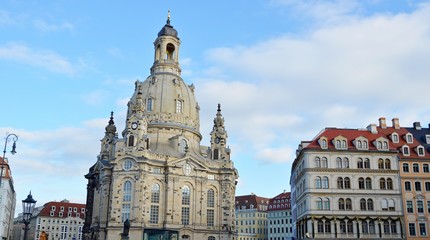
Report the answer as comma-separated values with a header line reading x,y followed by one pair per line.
x,y
15,138
28,207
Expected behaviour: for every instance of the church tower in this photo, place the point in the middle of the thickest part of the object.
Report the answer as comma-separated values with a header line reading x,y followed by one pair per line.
x,y
156,181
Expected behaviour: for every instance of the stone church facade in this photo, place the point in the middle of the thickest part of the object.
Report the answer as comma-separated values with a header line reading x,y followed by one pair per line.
x,y
157,179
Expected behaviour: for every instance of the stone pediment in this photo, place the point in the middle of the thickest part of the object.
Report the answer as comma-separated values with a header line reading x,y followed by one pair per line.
x,y
180,163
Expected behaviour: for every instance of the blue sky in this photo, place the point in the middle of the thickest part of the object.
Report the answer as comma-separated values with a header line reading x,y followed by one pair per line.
x,y
282,71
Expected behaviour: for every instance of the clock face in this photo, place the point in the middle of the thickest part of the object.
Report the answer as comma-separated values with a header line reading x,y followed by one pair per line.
x,y
134,125
217,139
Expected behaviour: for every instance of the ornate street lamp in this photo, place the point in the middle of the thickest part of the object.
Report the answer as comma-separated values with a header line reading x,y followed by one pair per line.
x,y
13,151
27,211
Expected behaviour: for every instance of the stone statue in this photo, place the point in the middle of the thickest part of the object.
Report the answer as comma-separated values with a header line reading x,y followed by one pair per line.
x,y
126,228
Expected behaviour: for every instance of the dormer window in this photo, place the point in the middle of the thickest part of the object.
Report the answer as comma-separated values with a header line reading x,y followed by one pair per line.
x,y
420,151
408,138
323,143
428,139
340,143
361,143
381,143
405,150
395,138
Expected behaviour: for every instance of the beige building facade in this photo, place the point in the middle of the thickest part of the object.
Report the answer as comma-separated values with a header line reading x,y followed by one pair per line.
x,y
346,185
156,181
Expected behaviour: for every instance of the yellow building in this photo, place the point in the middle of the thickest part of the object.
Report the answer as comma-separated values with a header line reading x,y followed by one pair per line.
x,y
251,217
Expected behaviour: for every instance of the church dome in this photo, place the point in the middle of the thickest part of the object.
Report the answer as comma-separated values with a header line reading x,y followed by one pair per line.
x,y
168,29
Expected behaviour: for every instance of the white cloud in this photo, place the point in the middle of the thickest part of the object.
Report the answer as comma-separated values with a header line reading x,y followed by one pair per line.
x,y
339,74
55,159
41,58
5,18
49,27
276,155
96,97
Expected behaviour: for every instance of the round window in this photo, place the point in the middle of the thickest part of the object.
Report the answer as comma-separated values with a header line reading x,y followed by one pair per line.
x,y
127,164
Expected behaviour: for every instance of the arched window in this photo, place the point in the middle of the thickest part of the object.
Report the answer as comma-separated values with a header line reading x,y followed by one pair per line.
x,y
345,163
405,167
371,227
216,154
320,226
149,104
186,195
393,227
359,144
379,145
360,163
370,204
338,144
349,226
318,182
382,183
319,204
211,238
381,163
365,144
155,193
170,51
364,227
341,203
339,183
363,205
415,167
127,191
368,183
317,162
361,183
211,198
348,204
385,145
338,162
326,204
324,162
347,183
130,140
343,144
389,184
325,183
342,226
391,205
387,164
327,226
367,163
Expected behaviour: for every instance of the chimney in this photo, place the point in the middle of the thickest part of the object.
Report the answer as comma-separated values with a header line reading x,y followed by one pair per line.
x,y
372,128
396,124
417,125
382,123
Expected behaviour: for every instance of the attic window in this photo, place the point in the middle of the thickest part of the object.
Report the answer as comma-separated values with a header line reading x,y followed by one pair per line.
x,y
395,138
420,150
428,139
405,150
409,138
323,143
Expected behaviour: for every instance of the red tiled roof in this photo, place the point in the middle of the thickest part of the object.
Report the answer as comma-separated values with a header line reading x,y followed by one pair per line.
x,y
248,200
350,135
280,202
55,208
